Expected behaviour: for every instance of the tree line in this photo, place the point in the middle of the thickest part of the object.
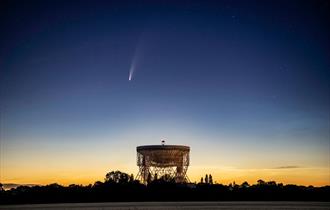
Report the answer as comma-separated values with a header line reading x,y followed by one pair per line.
x,y
119,186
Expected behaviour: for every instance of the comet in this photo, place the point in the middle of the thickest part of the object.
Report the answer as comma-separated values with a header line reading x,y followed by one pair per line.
x,y
132,68
138,54
130,74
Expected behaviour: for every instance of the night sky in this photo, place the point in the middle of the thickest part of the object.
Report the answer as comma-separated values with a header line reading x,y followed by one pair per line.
x,y
244,83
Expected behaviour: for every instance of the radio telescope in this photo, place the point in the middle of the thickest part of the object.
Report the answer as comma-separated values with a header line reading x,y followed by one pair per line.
x,y
163,161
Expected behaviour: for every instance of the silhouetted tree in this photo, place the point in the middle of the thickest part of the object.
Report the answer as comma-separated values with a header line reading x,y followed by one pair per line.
x,y
230,186
1,187
97,184
261,182
120,187
74,186
116,177
245,185
210,179
206,179
131,178
271,183
54,186
149,178
124,178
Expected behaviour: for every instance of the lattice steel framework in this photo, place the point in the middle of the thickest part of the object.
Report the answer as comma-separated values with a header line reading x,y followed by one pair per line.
x,y
163,160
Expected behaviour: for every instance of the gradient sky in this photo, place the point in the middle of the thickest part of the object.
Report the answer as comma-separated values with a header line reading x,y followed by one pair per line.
x,y
244,83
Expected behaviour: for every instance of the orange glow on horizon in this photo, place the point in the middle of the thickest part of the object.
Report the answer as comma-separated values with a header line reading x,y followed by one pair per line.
x,y
298,176
88,162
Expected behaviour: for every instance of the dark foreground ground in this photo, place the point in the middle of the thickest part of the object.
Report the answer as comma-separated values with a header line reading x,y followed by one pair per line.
x,y
176,205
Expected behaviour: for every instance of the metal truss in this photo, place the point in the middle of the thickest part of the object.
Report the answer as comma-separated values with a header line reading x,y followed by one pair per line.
x,y
163,162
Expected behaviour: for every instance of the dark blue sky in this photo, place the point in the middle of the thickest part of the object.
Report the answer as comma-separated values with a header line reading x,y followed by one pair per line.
x,y
255,71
